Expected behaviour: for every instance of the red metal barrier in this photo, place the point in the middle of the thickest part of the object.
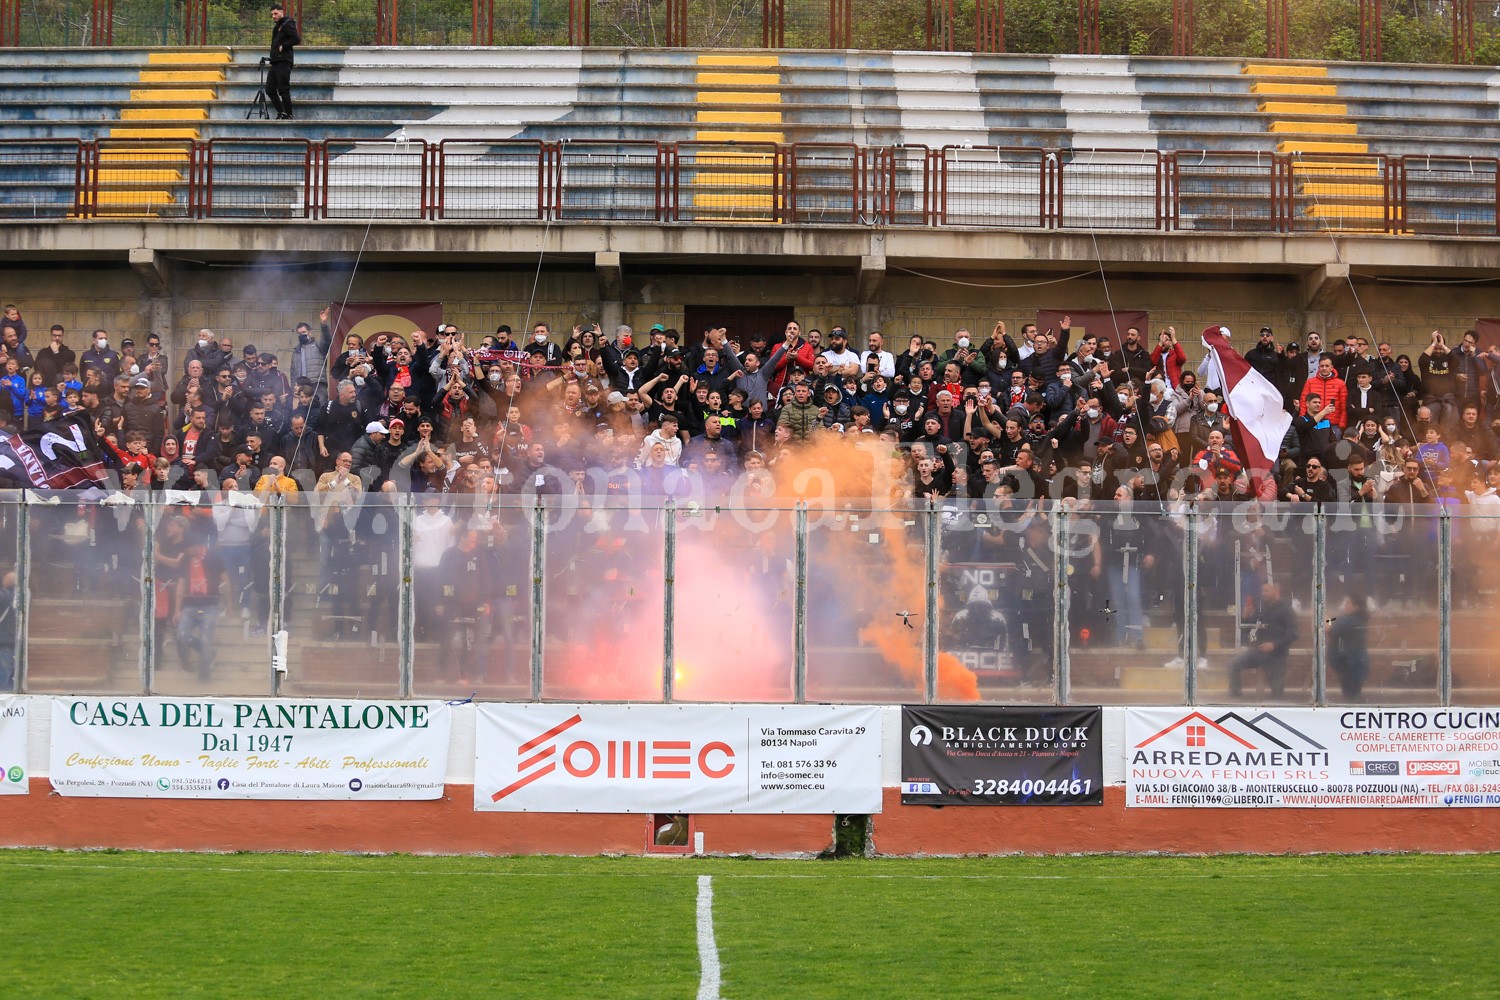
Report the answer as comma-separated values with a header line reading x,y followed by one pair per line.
x,y
993,186
374,178
1112,189
1340,191
754,183
826,183
256,179
773,24
1448,195
44,178
102,26
735,182
607,179
493,179
989,26
1230,191
195,22
10,23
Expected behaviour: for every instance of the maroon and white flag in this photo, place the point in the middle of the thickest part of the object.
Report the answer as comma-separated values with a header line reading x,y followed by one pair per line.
x,y
1260,420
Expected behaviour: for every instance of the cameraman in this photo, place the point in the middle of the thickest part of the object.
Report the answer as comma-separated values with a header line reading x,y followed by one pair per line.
x,y
284,36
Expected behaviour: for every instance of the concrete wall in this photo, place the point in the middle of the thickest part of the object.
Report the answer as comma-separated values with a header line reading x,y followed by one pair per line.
x,y
260,303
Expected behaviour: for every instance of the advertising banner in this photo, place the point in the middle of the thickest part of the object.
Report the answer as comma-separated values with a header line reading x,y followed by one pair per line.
x,y
677,758
995,756
1312,757
13,747
249,749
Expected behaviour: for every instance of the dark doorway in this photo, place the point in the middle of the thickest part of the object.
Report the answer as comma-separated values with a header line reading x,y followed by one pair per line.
x,y
741,321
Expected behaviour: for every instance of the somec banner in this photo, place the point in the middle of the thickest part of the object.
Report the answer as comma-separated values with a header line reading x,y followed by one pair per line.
x,y
12,746
993,756
253,749
677,758
1312,757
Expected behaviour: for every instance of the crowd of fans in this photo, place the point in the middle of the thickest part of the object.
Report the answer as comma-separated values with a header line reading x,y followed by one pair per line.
x,y
1044,414
654,416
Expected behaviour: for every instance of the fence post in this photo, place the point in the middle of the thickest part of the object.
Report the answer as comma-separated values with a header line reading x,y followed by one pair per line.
x,y
10,23
538,595
277,620
799,607
1445,607
1060,627
669,602
931,550
150,513
1320,607
1190,651
23,588
406,616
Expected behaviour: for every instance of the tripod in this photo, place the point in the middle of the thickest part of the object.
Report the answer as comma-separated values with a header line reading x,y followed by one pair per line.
x,y
261,106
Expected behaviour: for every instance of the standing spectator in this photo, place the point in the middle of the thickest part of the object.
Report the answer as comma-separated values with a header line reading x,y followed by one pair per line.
x,y
144,412
101,358
1439,379
1265,357
1169,358
310,355
1331,390
206,351
51,359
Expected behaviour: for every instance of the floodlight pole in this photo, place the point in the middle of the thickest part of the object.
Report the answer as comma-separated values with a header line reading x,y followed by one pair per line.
x,y
930,625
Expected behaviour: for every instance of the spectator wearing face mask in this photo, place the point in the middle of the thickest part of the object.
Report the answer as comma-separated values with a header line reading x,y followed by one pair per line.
x,y
311,353
101,357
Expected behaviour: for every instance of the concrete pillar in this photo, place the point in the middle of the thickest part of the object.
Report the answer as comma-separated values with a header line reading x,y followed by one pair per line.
x,y
155,273
867,292
611,274
163,309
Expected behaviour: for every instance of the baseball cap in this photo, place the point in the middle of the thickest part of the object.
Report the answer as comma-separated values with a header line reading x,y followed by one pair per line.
x,y
658,328
375,427
142,381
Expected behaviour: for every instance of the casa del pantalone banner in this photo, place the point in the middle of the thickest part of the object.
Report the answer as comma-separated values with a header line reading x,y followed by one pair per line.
x,y
13,746
249,749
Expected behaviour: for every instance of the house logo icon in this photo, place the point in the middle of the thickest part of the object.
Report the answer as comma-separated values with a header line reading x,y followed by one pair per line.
x,y
1232,731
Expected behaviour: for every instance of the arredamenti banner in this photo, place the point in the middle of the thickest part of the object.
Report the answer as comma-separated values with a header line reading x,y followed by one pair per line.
x,y
1312,757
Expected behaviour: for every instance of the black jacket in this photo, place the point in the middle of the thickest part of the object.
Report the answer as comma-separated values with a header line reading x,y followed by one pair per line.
x,y
284,35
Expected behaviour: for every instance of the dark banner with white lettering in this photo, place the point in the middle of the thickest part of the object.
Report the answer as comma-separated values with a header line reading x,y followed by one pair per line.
x,y
998,756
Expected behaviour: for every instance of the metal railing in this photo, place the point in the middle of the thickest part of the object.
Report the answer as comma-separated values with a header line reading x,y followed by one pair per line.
x,y
1022,187
1421,30
564,597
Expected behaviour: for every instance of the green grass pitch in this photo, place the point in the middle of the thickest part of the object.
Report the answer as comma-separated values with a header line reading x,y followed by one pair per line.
x,y
106,924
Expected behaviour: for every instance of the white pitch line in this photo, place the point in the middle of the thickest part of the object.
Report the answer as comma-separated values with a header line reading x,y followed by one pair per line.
x,y
841,875
708,951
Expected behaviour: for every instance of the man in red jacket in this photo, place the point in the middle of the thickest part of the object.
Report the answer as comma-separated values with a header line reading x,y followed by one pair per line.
x,y
1331,389
793,352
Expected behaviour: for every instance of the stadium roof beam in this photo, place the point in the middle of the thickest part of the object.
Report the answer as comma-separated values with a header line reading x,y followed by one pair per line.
x,y
951,252
1322,285
154,270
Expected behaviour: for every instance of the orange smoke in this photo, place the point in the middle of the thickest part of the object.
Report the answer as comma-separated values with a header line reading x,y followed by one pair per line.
x,y
865,478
